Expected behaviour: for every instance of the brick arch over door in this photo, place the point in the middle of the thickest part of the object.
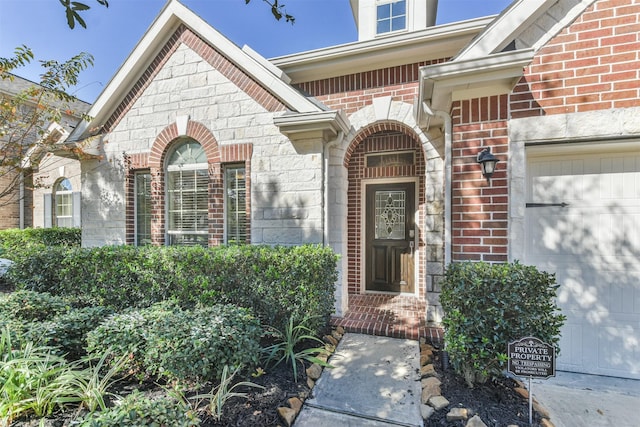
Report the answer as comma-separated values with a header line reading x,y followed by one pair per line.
x,y
157,156
381,137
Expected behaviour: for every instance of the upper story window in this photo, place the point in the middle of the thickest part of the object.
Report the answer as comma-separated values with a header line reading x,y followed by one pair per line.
x,y
63,208
187,184
391,16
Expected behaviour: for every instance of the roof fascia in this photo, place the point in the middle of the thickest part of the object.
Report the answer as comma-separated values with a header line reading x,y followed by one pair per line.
x,y
505,27
169,19
436,42
300,126
444,83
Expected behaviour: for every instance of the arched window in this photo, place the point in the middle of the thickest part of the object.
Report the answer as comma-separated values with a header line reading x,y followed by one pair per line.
x,y
63,206
187,182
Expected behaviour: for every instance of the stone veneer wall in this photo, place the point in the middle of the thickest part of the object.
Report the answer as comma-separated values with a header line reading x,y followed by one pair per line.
x,y
190,79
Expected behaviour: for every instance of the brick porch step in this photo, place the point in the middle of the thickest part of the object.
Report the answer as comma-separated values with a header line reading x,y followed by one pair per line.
x,y
396,316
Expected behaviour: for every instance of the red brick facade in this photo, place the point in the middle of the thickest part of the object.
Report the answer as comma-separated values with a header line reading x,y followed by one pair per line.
x,y
479,208
592,64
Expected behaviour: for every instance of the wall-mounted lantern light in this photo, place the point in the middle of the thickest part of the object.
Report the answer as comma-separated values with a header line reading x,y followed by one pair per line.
x,y
488,162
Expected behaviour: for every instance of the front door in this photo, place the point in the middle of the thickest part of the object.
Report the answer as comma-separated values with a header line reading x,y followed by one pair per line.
x,y
389,239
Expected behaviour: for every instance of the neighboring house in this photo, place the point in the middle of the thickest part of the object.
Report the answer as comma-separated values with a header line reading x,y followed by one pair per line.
x,y
371,147
46,191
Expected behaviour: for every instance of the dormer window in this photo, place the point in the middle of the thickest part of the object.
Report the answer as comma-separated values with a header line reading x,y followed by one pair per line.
x,y
391,16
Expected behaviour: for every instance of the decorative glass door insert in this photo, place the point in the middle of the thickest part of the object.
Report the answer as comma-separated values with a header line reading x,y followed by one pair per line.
x,y
390,214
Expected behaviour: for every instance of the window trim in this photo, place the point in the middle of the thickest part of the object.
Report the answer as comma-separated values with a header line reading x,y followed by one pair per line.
x,y
188,167
391,17
54,205
228,167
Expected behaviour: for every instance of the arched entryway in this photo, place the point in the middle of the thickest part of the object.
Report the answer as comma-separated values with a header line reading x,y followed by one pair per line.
x,y
386,211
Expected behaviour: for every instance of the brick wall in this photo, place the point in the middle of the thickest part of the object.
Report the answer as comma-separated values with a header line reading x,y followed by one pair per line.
x,y
592,64
353,92
479,208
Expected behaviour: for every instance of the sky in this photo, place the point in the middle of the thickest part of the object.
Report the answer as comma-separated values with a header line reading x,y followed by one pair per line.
x,y
113,32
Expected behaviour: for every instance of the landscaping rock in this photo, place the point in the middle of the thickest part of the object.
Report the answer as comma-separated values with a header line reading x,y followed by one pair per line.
x,y
430,388
336,335
310,382
457,414
475,421
546,423
287,415
340,330
295,404
540,410
438,402
522,392
428,371
426,411
330,340
314,371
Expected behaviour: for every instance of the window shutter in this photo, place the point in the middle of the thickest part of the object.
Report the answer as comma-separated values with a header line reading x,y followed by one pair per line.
x,y
48,210
76,208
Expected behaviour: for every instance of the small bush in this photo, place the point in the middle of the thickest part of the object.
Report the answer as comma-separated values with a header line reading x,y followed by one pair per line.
x,y
185,345
32,306
136,410
489,305
68,331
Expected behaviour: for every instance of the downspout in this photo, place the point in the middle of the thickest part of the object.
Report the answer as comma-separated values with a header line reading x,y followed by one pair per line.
x,y
448,175
325,186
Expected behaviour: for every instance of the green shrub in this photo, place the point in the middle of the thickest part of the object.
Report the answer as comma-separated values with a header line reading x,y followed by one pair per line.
x,y
31,306
15,243
186,345
68,331
136,410
277,283
487,306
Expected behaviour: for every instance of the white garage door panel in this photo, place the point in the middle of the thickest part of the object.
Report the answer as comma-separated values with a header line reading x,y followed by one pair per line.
x,y
593,246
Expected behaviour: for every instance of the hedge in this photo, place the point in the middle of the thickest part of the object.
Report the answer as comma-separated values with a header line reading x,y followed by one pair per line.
x,y
16,242
276,282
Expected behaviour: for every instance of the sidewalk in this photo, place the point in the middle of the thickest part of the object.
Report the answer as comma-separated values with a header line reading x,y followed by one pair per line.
x,y
576,400
375,382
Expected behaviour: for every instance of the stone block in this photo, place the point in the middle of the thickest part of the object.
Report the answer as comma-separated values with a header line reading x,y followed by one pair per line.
x,y
295,404
314,371
426,411
522,392
287,415
428,371
475,421
457,414
438,402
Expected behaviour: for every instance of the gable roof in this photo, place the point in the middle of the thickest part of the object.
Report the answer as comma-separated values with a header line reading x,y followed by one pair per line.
x,y
172,16
493,62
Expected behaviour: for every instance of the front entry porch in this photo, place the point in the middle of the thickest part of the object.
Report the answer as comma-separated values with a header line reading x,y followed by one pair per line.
x,y
396,316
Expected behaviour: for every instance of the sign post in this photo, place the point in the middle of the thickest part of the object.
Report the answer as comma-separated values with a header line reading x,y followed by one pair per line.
x,y
533,358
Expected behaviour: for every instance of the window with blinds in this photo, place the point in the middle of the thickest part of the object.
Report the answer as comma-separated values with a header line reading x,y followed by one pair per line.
x,y
187,183
143,208
235,204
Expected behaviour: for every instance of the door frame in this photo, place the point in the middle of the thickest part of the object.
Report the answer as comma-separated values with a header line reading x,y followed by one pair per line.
x,y
363,232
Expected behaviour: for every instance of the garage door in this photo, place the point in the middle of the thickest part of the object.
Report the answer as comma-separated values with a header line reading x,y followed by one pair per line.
x,y
593,246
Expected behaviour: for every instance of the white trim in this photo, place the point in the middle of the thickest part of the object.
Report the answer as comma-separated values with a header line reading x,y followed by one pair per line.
x,y
415,46
519,15
363,206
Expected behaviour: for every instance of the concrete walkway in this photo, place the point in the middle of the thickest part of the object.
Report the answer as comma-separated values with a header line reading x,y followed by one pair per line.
x,y
576,400
375,382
